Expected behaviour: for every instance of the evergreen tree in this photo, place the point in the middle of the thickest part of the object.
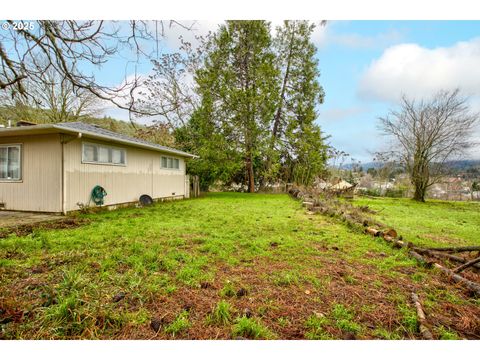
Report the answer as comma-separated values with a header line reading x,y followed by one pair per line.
x,y
295,136
238,88
255,120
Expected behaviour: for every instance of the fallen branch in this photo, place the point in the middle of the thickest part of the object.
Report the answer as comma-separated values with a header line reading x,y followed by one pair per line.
x,y
389,235
422,320
440,254
457,249
420,258
466,265
473,286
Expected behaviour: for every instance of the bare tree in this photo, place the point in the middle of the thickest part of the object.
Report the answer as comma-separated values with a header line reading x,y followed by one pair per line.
x,y
56,98
170,89
427,133
69,48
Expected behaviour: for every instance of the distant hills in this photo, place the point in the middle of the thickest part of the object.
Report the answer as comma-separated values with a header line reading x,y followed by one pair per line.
x,y
457,165
41,117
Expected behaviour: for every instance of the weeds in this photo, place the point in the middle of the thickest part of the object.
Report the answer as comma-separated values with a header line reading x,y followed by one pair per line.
x,y
251,329
344,319
446,334
228,290
315,328
221,314
286,278
179,325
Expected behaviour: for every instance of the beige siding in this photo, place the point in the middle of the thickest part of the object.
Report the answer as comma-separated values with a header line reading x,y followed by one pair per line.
x,y
41,186
141,175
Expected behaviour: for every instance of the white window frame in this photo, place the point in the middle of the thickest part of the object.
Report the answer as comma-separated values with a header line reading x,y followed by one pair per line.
x,y
20,167
102,162
170,160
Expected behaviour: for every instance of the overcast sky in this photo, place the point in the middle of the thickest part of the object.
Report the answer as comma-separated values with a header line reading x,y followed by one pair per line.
x,y
365,67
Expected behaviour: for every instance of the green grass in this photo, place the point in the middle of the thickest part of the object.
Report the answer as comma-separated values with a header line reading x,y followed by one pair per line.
x,y
59,283
179,325
433,223
222,314
316,328
344,319
228,290
251,329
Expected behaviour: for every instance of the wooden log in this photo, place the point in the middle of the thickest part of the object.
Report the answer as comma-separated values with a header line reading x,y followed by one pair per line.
x,y
420,258
391,232
308,204
372,231
457,249
466,265
473,286
397,243
445,255
422,320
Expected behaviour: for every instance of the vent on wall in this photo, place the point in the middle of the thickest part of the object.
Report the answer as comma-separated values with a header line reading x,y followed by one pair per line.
x,y
2,205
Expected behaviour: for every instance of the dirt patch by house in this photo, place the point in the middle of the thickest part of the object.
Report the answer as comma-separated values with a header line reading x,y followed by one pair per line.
x,y
23,224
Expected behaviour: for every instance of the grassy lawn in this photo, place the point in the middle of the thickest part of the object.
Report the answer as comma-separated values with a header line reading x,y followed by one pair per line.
x,y
434,223
224,266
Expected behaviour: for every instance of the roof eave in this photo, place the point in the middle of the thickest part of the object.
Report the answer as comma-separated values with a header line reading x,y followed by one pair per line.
x,y
126,142
51,128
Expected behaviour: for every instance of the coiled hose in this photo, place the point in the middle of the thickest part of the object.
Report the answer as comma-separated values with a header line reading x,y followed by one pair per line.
x,y
98,194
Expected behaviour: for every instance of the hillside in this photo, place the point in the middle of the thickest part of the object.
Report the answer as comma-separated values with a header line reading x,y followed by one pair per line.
x,y
41,117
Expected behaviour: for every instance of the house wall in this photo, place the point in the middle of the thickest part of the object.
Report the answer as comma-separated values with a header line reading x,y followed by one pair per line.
x,y
41,186
141,175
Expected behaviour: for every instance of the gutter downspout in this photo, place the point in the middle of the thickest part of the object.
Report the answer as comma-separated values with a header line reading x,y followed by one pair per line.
x,y
64,177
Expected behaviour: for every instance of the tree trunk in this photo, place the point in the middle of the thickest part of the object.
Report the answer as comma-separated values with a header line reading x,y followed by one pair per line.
x,y
251,176
419,194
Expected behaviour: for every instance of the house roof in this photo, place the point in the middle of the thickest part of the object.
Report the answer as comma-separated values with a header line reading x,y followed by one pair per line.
x,y
91,131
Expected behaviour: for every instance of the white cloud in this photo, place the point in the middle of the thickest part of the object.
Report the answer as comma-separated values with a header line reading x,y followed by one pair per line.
x,y
357,41
420,72
338,114
188,30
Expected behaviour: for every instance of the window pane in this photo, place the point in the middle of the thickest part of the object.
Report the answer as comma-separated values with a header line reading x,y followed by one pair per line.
x,y
176,163
103,154
3,163
164,162
170,163
89,152
117,156
14,162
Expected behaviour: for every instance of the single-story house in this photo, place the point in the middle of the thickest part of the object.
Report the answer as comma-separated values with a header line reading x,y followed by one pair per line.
x,y
55,167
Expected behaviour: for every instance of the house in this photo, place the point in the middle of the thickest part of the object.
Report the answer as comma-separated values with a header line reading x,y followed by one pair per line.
x,y
55,167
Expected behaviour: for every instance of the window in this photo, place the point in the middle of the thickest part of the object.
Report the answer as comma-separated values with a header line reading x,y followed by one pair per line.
x,y
170,163
103,154
10,162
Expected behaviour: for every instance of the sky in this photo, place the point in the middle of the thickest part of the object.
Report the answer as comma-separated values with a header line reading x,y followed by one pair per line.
x,y
365,67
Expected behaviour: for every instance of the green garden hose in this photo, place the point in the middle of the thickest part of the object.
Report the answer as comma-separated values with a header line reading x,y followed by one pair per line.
x,y
98,194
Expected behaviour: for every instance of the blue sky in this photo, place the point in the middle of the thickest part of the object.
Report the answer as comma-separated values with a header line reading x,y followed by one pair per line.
x,y
365,66
349,48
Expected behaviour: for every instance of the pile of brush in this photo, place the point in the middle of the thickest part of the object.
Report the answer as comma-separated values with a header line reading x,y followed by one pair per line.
x,y
359,219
